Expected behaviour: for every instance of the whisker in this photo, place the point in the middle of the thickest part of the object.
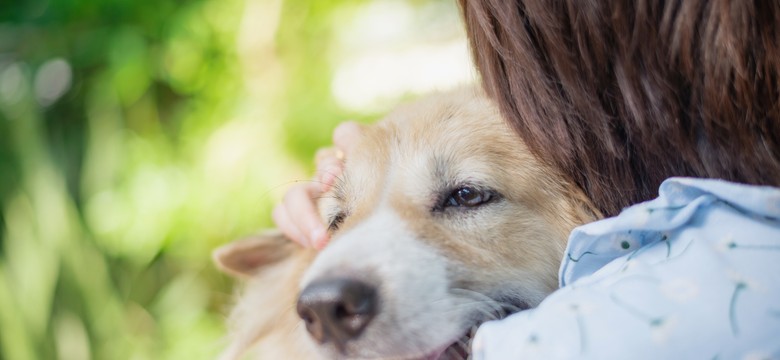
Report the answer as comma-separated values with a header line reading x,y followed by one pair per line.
x,y
474,306
480,303
325,196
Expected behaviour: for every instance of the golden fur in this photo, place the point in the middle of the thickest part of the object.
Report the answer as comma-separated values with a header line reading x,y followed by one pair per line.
x,y
464,261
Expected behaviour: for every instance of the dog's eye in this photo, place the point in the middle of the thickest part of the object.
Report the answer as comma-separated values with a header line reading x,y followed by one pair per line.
x,y
336,221
468,196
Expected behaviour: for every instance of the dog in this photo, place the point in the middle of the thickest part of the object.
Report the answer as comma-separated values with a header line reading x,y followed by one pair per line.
x,y
441,220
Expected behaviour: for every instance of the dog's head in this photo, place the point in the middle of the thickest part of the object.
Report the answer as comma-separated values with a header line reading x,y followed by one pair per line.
x,y
441,220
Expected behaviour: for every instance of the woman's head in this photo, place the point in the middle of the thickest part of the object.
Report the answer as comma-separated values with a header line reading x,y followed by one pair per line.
x,y
622,94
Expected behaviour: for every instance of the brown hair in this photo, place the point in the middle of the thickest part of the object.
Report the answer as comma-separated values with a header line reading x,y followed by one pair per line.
x,y
622,94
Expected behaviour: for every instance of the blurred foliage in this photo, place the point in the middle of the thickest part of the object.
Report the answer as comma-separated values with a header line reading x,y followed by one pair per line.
x,y
135,137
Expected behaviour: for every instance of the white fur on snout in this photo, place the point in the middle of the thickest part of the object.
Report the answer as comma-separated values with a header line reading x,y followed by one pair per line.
x,y
416,312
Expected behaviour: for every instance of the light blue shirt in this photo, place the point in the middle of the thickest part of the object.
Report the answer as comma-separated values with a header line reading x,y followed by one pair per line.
x,y
693,274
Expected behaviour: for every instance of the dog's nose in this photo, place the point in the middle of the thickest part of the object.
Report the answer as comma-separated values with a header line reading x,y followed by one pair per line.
x,y
337,310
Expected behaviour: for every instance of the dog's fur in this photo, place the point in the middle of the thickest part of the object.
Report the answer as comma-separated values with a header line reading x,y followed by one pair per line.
x,y
440,270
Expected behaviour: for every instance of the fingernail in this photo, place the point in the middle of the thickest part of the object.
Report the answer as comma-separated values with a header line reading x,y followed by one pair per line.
x,y
317,237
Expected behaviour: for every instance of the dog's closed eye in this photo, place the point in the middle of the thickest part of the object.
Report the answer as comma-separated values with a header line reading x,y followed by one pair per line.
x,y
336,221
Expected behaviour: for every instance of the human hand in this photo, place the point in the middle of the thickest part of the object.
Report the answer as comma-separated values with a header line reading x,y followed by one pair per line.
x,y
296,216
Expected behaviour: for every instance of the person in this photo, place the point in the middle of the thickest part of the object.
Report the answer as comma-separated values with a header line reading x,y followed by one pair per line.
x,y
623,97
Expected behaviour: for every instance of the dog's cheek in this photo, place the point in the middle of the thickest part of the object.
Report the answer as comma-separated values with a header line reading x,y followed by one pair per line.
x,y
419,313
411,278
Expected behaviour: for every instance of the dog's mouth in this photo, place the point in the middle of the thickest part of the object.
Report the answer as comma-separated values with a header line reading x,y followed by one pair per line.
x,y
459,349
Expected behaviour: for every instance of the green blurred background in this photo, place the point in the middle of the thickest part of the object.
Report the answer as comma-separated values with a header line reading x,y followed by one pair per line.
x,y
136,136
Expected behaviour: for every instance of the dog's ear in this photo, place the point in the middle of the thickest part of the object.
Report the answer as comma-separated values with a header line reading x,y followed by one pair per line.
x,y
245,257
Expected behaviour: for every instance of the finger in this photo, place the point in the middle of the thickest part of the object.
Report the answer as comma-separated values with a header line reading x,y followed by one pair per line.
x,y
329,167
302,211
327,172
347,135
324,154
320,243
286,226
